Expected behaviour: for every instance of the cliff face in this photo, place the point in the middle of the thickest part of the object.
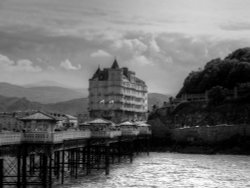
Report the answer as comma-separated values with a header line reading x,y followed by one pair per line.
x,y
218,77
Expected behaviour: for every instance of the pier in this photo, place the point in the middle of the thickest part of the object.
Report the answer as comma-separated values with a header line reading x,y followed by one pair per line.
x,y
47,158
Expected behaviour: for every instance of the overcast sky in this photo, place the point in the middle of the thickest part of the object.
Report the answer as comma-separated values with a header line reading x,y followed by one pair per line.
x,y
161,40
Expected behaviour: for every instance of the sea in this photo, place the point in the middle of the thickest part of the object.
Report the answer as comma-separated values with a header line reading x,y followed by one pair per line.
x,y
162,169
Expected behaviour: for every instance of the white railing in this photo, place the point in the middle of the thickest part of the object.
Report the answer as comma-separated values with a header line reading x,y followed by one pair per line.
x,y
10,138
70,135
105,134
37,137
129,132
144,131
55,137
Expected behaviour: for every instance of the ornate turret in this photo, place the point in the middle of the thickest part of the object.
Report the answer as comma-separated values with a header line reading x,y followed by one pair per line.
x,y
97,73
115,65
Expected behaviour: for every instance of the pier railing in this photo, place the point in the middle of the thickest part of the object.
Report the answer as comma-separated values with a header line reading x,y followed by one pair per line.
x,y
129,132
37,137
10,138
105,134
145,132
67,135
55,137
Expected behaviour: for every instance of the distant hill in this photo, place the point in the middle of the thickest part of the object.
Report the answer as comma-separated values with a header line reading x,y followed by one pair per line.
x,y
156,99
10,104
42,94
45,83
73,107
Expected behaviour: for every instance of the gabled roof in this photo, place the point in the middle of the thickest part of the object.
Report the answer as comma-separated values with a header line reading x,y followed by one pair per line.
x,y
71,117
142,124
115,65
127,123
96,73
99,121
39,116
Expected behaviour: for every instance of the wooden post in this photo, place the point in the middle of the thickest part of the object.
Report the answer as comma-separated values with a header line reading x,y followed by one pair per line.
x,y
62,168
58,164
40,164
88,171
148,144
50,170
45,170
71,162
119,150
32,164
137,145
131,151
76,162
18,169
24,166
107,153
98,157
113,155
83,158
1,173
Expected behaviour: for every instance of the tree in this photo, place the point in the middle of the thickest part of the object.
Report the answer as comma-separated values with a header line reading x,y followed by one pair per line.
x,y
217,95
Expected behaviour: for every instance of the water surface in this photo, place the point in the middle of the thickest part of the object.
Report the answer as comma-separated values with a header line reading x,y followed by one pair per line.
x,y
172,170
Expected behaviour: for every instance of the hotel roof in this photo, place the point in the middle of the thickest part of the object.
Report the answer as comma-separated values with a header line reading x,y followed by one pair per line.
x,y
39,116
99,121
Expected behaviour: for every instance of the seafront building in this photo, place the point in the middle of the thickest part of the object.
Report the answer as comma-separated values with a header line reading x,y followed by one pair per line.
x,y
117,94
10,121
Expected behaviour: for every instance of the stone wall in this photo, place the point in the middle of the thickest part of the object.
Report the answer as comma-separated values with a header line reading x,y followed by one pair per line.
x,y
209,134
159,129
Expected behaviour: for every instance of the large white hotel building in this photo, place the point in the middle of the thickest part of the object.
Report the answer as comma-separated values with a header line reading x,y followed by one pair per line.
x,y
117,94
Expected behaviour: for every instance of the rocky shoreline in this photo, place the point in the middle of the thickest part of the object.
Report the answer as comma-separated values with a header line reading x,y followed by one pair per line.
x,y
235,147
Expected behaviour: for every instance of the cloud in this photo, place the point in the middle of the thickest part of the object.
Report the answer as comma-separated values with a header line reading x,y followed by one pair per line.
x,y
100,53
129,46
22,65
67,65
141,60
242,26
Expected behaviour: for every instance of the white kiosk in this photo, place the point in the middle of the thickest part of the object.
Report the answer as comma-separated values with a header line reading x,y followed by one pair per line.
x,y
129,129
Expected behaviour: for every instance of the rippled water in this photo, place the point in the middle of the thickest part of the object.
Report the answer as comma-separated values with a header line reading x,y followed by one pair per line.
x,y
173,170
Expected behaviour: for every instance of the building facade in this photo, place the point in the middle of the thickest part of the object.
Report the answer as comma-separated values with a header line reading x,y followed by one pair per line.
x,y
10,121
117,94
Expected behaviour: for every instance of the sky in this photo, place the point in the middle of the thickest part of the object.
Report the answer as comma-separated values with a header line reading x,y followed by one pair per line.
x,y
161,40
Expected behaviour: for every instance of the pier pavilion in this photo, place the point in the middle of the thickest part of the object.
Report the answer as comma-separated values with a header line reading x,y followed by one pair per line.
x,y
41,156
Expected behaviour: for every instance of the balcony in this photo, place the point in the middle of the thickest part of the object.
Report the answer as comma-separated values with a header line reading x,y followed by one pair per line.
x,y
105,134
37,137
42,137
10,138
70,135
129,132
144,131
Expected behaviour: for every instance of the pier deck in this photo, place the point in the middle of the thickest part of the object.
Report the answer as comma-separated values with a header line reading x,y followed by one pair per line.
x,y
44,159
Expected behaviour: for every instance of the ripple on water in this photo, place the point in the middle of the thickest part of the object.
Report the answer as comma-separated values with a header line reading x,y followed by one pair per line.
x,y
173,170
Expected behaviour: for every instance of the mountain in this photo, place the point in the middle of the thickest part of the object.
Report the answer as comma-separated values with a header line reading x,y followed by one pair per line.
x,y
44,83
10,104
73,107
156,99
43,94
